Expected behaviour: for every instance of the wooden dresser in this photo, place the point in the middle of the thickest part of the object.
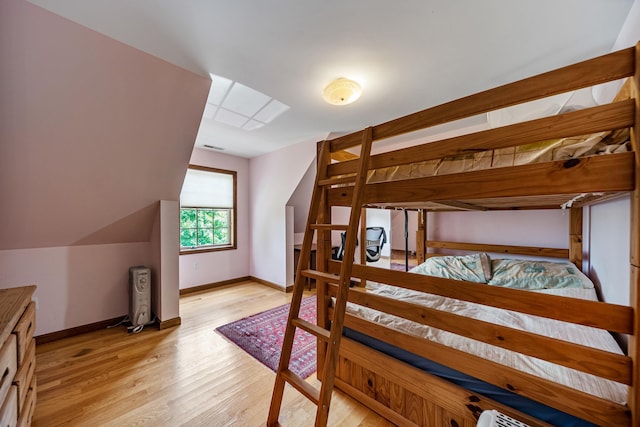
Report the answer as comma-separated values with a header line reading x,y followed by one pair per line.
x,y
17,356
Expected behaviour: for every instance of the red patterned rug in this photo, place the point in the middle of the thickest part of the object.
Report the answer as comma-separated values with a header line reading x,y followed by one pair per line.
x,y
261,336
398,266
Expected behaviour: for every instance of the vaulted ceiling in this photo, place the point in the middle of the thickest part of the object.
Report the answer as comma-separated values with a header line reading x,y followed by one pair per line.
x,y
407,55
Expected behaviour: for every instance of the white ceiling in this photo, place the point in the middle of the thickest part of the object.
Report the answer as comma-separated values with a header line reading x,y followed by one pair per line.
x,y
408,55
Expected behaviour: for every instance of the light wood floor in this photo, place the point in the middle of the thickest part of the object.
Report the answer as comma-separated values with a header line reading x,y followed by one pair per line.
x,y
184,376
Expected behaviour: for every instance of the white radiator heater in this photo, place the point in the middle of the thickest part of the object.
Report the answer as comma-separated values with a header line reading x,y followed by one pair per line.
x,y
139,296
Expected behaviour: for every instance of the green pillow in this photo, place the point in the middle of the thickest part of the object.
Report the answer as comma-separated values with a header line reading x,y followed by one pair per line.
x,y
524,274
471,268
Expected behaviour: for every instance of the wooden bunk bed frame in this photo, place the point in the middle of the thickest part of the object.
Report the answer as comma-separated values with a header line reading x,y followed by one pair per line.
x,y
408,396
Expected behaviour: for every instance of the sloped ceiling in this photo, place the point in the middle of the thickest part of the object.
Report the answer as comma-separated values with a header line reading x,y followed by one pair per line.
x,y
408,54
92,132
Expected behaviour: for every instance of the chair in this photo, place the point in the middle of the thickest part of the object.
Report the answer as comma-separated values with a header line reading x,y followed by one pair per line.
x,y
339,254
376,238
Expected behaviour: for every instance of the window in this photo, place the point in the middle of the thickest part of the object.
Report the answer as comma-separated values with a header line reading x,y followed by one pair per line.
x,y
207,210
204,227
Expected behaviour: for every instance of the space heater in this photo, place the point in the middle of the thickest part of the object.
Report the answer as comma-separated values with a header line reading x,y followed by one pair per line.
x,y
139,296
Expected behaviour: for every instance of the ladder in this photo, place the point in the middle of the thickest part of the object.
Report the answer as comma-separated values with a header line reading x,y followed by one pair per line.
x,y
331,338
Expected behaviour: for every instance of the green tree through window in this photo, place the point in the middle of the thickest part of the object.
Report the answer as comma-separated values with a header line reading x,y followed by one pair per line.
x,y
207,212
204,227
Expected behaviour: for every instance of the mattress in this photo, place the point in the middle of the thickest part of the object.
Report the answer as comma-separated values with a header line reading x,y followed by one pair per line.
x,y
544,151
563,286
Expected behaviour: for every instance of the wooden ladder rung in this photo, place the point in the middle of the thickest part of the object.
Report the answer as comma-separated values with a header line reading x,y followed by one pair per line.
x,y
350,179
322,397
313,329
330,226
309,391
314,274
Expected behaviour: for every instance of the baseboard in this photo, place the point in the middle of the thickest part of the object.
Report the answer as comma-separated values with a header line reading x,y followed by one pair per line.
x,y
166,324
209,286
272,285
71,332
96,326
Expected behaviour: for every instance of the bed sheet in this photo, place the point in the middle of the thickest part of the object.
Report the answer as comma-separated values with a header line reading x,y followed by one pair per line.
x,y
579,334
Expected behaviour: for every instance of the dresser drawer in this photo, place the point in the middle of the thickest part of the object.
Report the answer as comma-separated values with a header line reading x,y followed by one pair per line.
x,y
24,330
8,365
17,355
9,414
25,373
29,407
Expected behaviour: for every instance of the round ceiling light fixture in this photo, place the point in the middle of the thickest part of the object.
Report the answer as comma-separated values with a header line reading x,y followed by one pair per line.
x,y
342,91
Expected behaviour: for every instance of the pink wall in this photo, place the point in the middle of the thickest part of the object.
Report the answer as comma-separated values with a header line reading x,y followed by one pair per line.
x,y
93,133
530,228
213,267
300,200
609,244
608,237
274,179
397,230
77,285
165,245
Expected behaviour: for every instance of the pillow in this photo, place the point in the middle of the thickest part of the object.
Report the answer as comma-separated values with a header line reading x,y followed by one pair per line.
x,y
524,274
472,268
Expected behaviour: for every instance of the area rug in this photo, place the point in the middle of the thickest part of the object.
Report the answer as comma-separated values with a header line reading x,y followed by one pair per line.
x,y
261,336
397,266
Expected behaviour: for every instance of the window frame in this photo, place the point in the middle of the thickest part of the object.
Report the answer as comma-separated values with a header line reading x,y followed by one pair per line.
x,y
233,229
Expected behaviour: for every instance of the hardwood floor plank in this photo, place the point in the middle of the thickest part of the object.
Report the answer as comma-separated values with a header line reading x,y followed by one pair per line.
x,y
184,376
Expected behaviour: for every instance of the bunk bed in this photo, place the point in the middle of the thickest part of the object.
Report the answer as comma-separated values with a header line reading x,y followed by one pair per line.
x,y
411,379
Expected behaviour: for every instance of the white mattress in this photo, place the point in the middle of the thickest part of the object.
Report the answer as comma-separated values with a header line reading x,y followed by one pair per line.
x,y
584,335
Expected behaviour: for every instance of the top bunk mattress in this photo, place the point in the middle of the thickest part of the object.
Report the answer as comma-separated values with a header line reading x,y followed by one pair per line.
x,y
611,142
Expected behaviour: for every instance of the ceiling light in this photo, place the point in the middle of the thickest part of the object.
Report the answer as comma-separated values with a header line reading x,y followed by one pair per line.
x,y
342,92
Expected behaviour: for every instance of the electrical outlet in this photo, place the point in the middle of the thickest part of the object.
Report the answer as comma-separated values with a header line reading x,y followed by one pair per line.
x,y
196,266
35,299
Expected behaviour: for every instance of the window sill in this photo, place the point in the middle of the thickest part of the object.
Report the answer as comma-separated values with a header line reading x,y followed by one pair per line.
x,y
208,249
